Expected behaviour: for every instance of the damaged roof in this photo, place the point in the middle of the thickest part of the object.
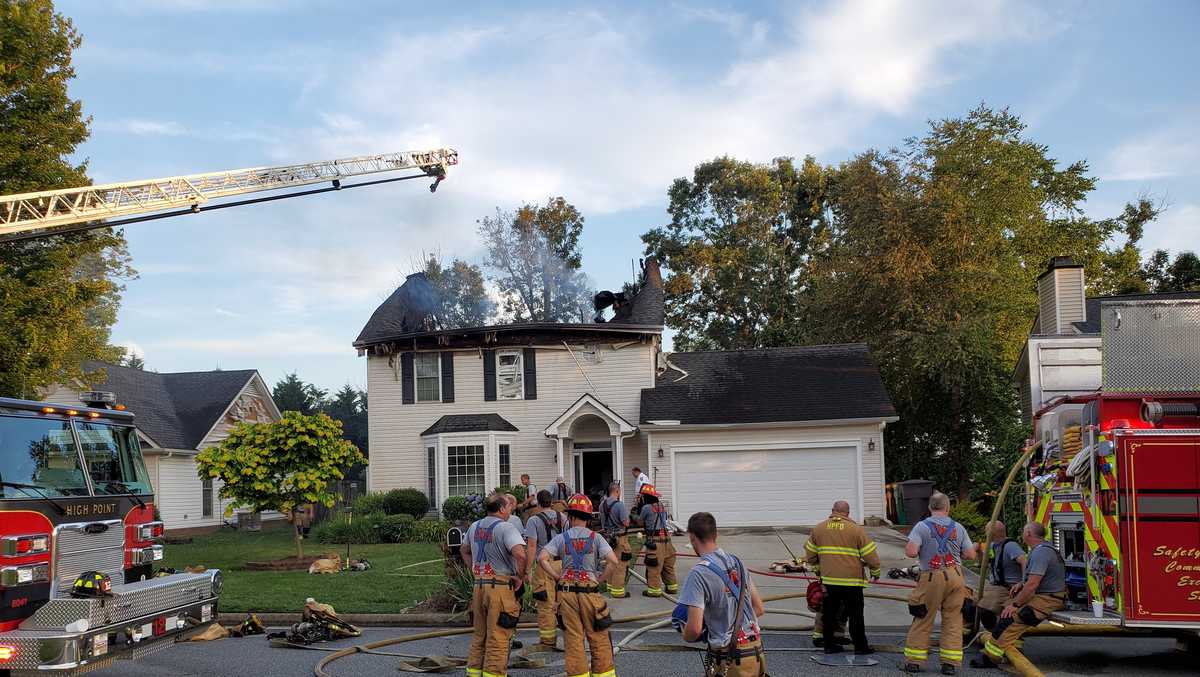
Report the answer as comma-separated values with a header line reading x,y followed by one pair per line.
x,y
470,423
769,385
175,410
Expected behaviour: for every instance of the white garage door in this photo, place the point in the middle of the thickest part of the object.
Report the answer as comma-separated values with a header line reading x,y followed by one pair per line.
x,y
771,487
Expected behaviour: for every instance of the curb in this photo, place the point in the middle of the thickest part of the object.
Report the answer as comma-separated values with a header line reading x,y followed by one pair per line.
x,y
421,620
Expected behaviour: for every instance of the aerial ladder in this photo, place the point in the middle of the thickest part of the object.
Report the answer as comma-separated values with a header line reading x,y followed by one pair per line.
x,y
51,212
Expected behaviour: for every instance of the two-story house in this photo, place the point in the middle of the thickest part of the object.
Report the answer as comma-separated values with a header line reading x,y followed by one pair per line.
x,y
757,437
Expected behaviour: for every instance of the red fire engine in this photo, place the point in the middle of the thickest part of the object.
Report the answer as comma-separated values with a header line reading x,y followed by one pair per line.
x,y
1117,479
79,543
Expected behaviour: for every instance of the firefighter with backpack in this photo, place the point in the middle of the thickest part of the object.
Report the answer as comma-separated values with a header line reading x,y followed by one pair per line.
x,y
543,525
614,522
587,561
660,552
940,544
1006,566
497,555
560,493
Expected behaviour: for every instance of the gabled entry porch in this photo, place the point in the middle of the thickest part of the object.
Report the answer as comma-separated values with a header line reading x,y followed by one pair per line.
x,y
590,445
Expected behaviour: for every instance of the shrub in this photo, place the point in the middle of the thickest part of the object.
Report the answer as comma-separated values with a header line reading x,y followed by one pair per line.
x,y
428,531
967,514
360,530
463,508
406,502
374,502
394,528
517,490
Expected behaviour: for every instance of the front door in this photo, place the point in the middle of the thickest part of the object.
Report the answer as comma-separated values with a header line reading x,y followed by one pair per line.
x,y
592,464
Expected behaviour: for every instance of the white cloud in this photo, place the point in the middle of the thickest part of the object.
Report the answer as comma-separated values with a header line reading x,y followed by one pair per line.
x,y
224,312
1157,155
140,127
1178,229
274,343
132,348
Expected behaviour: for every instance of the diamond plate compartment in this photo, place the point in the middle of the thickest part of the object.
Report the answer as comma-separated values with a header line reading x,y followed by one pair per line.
x,y
128,601
1151,346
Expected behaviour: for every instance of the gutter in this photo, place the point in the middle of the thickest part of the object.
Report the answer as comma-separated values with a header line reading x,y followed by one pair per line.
x,y
667,427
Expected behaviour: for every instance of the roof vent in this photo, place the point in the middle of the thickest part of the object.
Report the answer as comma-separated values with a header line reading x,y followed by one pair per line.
x,y
98,399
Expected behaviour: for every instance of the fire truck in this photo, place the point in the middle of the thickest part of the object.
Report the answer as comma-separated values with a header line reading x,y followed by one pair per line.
x,y
1116,480
75,499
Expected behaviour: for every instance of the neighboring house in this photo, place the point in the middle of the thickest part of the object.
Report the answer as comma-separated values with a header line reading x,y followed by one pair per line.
x,y
1063,355
757,437
178,415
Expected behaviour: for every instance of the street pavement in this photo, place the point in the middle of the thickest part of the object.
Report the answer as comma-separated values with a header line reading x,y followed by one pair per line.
x,y
789,654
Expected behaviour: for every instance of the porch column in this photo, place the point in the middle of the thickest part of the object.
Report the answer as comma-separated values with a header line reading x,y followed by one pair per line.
x,y
618,460
559,442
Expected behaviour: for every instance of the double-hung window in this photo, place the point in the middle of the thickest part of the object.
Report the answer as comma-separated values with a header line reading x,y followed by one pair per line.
x,y
206,497
465,469
431,461
505,458
428,374
509,375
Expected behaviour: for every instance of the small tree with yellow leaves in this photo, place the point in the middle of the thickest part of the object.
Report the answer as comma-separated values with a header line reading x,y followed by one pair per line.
x,y
280,465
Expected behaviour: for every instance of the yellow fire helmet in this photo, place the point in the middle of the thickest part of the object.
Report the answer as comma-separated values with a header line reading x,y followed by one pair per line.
x,y
92,584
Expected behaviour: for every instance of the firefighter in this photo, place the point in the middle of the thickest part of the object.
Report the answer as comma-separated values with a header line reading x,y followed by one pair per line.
x,y
513,518
1042,592
838,550
531,491
587,561
542,526
940,544
660,552
838,636
497,555
560,493
639,480
614,522
708,608
1006,565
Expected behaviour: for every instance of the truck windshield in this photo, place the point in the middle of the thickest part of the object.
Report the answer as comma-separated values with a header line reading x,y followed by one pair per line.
x,y
41,453
114,459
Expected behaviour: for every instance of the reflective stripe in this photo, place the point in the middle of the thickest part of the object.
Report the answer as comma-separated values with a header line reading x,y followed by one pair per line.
x,y
817,635
808,545
950,653
857,582
474,672
548,633
867,549
837,550
674,587
610,673
875,573
493,674
916,653
616,591
992,649
582,674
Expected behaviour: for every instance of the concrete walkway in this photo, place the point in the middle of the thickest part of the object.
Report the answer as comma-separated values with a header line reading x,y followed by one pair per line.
x,y
758,548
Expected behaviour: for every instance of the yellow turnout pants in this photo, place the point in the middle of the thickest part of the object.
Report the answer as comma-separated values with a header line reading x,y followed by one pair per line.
x,y
660,567
580,612
544,598
616,582
1042,606
938,591
490,642
752,662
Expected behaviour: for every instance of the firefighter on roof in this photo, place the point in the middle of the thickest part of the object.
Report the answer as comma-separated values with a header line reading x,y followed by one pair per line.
x,y
660,552
614,522
543,525
497,555
1043,592
838,550
941,545
587,561
715,609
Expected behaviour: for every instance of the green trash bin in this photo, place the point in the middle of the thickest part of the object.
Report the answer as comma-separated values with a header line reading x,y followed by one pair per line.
x,y
913,503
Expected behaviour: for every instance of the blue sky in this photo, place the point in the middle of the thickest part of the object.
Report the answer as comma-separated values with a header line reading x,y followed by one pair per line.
x,y
603,103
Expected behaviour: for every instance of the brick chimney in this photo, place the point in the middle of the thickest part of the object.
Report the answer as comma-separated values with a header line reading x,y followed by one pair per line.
x,y
1060,297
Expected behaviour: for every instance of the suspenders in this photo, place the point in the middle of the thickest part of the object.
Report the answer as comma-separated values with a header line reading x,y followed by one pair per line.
x,y
944,559
483,536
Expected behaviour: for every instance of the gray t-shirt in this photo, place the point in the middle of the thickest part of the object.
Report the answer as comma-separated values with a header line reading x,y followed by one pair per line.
x,y
704,589
1007,561
536,528
560,492
592,563
498,551
515,520
654,521
1045,561
613,515
926,537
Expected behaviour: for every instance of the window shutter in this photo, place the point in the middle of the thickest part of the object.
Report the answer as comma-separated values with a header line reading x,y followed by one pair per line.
x,y
530,362
489,376
406,378
447,377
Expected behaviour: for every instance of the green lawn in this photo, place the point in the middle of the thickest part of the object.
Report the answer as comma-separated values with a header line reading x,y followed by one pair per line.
x,y
377,590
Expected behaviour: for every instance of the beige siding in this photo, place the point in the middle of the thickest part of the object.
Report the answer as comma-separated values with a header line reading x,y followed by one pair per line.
x,y
398,455
872,462
1070,298
1047,313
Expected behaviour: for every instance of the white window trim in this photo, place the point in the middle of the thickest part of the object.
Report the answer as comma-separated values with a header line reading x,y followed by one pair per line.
x,y
491,442
416,389
520,373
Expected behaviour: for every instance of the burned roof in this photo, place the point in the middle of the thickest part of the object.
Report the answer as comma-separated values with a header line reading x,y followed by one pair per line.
x,y
1091,325
411,313
470,423
769,385
175,410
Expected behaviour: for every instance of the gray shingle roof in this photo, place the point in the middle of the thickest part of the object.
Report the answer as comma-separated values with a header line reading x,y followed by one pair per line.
x,y
810,383
175,410
470,423
1092,324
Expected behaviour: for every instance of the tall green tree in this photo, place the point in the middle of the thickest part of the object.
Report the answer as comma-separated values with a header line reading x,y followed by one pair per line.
x,y
462,297
738,251
1163,274
349,405
534,257
293,394
934,256
58,295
